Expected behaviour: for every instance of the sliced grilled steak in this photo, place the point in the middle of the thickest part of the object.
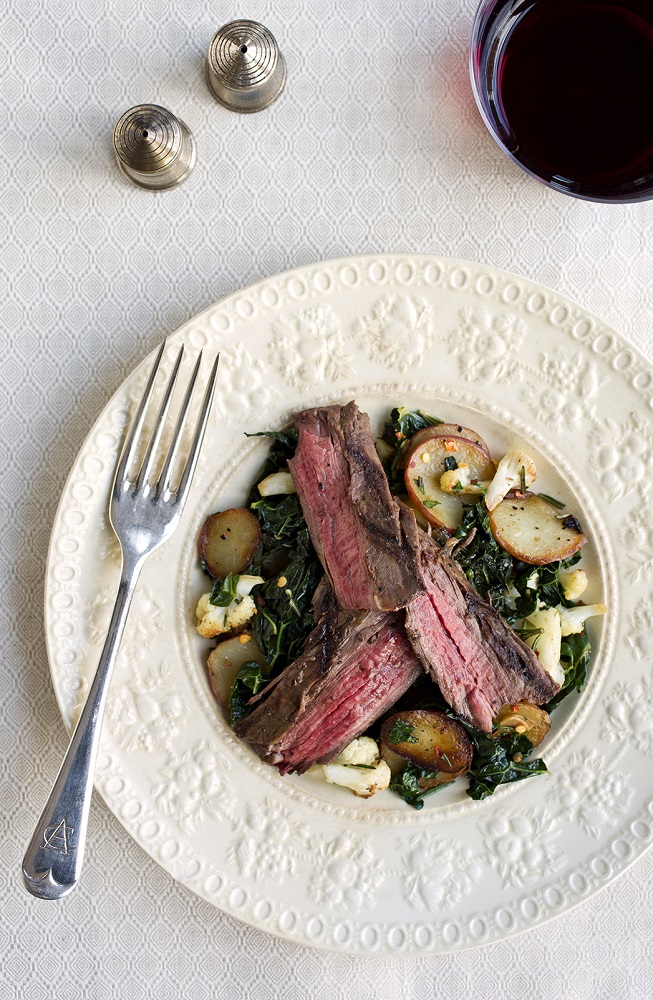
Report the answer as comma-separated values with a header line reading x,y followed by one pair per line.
x,y
355,666
478,661
352,518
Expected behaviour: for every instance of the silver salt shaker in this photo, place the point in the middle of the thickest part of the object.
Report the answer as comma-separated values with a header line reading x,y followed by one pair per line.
x,y
245,69
153,148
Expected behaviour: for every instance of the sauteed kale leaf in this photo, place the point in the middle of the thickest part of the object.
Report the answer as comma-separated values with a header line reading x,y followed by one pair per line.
x,y
487,566
498,760
287,561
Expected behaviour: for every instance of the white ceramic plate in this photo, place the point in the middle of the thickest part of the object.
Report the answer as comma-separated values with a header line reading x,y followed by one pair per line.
x,y
292,855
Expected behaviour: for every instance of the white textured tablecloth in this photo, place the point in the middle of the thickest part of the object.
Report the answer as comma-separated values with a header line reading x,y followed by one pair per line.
x,y
374,146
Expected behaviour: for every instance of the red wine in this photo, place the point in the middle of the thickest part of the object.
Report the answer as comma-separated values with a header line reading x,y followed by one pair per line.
x,y
574,89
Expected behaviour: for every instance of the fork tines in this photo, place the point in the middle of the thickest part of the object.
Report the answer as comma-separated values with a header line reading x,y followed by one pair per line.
x,y
140,481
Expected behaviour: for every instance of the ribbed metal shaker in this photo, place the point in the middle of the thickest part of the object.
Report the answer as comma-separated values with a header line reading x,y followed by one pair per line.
x,y
154,149
245,69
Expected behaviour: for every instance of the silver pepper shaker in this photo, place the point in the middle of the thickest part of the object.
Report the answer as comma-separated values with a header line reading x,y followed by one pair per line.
x,y
245,69
154,149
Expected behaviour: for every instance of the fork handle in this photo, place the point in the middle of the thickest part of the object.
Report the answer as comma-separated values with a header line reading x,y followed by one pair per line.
x,y
53,860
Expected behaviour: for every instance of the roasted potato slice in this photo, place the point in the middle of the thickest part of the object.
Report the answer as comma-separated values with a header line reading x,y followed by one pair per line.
x,y
448,430
392,759
434,780
229,541
441,778
396,763
531,530
524,718
425,465
430,739
225,661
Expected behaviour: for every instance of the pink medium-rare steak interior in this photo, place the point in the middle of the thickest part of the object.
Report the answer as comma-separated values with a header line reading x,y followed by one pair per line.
x,y
355,666
477,660
352,517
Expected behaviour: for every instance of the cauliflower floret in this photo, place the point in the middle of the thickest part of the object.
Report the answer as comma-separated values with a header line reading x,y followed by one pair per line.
x,y
371,774
363,750
547,644
572,620
277,483
213,620
460,481
210,619
363,781
509,476
573,583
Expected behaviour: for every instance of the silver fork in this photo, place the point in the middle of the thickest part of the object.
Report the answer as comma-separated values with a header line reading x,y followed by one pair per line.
x,y
143,515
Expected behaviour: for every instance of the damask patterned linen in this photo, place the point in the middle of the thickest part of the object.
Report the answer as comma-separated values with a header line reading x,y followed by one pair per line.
x,y
375,146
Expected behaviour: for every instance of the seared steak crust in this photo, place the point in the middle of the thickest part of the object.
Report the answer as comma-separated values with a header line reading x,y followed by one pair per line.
x,y
355,666
477,660
352,517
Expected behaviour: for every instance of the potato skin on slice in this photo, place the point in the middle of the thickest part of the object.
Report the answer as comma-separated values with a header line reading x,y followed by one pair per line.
x,y
225,661
439,778
531,530
396,763
430,739
425,465
229,540
448,430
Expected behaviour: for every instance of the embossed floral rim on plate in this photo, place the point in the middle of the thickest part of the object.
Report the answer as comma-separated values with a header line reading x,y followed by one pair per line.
x,y
293,855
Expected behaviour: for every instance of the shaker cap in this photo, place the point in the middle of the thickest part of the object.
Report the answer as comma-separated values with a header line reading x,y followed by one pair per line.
x,y
245,69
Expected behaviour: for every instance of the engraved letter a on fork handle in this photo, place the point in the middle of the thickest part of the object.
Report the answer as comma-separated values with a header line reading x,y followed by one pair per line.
x,y
53,860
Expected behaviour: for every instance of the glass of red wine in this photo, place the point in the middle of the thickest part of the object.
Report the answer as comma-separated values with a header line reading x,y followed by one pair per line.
x,y
566,89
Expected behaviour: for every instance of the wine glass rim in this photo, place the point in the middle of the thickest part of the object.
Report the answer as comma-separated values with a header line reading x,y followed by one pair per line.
x,y
488,22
